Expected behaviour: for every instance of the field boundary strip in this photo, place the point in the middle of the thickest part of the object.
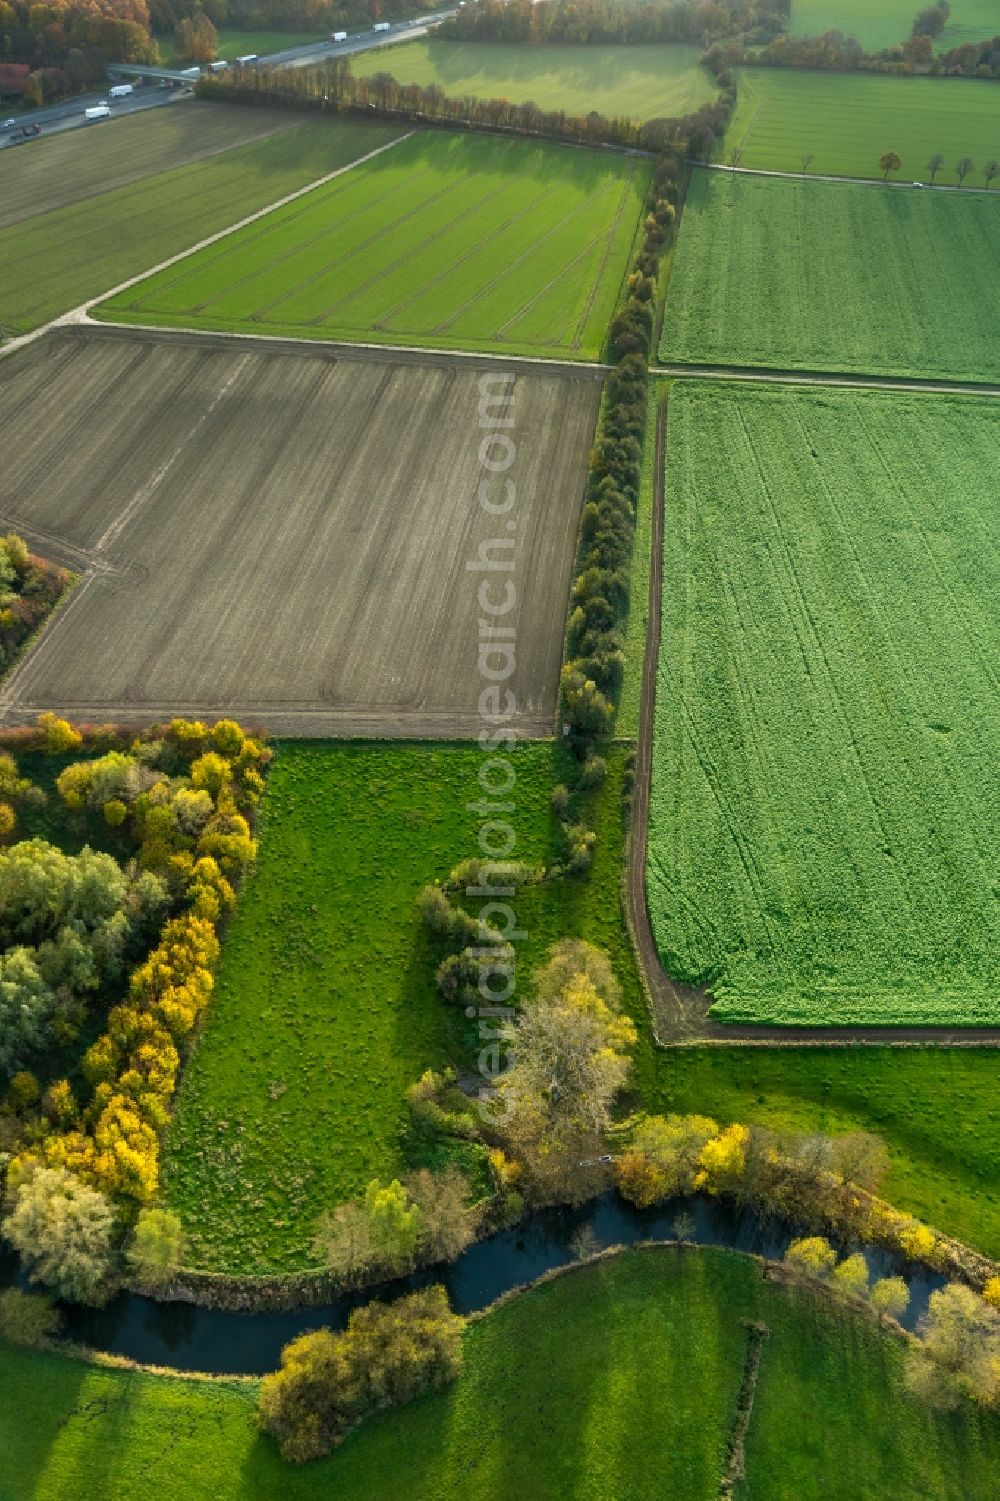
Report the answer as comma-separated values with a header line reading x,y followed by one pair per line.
x,y
861,182
761,375
80,314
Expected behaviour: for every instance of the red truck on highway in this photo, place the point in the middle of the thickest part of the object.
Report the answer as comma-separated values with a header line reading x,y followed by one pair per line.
x,y
25,132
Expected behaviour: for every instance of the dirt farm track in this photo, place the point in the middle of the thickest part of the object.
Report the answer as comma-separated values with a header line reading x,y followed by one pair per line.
x,y
284,533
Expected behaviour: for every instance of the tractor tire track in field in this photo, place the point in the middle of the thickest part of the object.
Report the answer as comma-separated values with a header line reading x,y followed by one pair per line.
x,y
80,314
680,1011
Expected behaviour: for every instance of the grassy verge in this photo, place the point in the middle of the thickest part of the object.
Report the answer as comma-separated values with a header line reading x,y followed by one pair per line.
x,y
612,1383
630,698
55,261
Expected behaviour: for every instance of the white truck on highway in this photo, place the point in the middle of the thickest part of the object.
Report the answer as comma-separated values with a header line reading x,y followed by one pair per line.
x,y
338,36
219,67
121,91
97,112
244,62
381,26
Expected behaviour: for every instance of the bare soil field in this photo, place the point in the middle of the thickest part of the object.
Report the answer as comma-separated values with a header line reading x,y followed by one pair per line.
x,y
76,164
284,532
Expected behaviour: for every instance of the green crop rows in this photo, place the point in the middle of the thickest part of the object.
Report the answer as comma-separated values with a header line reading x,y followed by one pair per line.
x,y
640,83
824,811
846,121
449,241
835,276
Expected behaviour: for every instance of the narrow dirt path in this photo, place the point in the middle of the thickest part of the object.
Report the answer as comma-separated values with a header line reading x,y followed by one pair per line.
x,y
681,1012
825,378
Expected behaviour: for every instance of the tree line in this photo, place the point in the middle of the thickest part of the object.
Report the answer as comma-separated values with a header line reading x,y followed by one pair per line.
x,y
833,51
331,88
609,21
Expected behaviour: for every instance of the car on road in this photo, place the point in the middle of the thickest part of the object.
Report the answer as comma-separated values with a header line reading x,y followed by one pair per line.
x,y
918,184
8,123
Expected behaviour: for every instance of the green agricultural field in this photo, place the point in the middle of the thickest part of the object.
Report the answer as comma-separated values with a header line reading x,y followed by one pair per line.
x,y
448,241
938,1112
886,23
641,83
846,121
325,1008
834,276
233,44
617,1382
54,261
824,815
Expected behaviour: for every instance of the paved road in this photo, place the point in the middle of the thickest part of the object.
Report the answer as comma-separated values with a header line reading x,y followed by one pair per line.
x,y
827,378
864,182
362,41
69,114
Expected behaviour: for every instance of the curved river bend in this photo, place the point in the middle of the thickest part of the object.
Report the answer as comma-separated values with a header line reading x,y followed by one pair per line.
x,y
228,1343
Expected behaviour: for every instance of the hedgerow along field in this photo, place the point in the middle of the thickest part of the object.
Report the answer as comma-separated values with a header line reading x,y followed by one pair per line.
x,y
610,1383
834,276
845,122
325,1007
886,23
822,813
56,260
448,241
640,83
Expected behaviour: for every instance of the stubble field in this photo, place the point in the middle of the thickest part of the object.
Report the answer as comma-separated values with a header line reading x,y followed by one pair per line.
x,y
641,83
846,121
824,812
448,241
283,535
836,277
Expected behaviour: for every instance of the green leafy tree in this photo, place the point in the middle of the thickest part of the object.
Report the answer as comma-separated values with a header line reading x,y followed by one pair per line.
x,y
63,1230
890,1296
851,1275
27,1318
157,1248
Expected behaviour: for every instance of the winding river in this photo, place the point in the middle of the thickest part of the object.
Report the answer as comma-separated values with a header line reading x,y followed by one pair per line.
x,y
227,1343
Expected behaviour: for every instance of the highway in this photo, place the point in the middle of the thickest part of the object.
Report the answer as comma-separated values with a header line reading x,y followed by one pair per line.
x,y
69,115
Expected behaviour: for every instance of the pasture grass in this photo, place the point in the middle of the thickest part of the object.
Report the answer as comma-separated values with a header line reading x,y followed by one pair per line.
x,y
613,1382
846,121
639,83
885,23
55,261
802,275
823,814
450,241
325,1008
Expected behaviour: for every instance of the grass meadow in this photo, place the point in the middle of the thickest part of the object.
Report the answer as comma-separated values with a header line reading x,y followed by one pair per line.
x,y
834,276
449,241
886,23
614,1382
845,121
56,260
823,810
325,1007
641,83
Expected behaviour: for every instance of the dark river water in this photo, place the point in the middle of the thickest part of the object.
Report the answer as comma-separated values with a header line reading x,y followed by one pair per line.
x,y
205,1339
